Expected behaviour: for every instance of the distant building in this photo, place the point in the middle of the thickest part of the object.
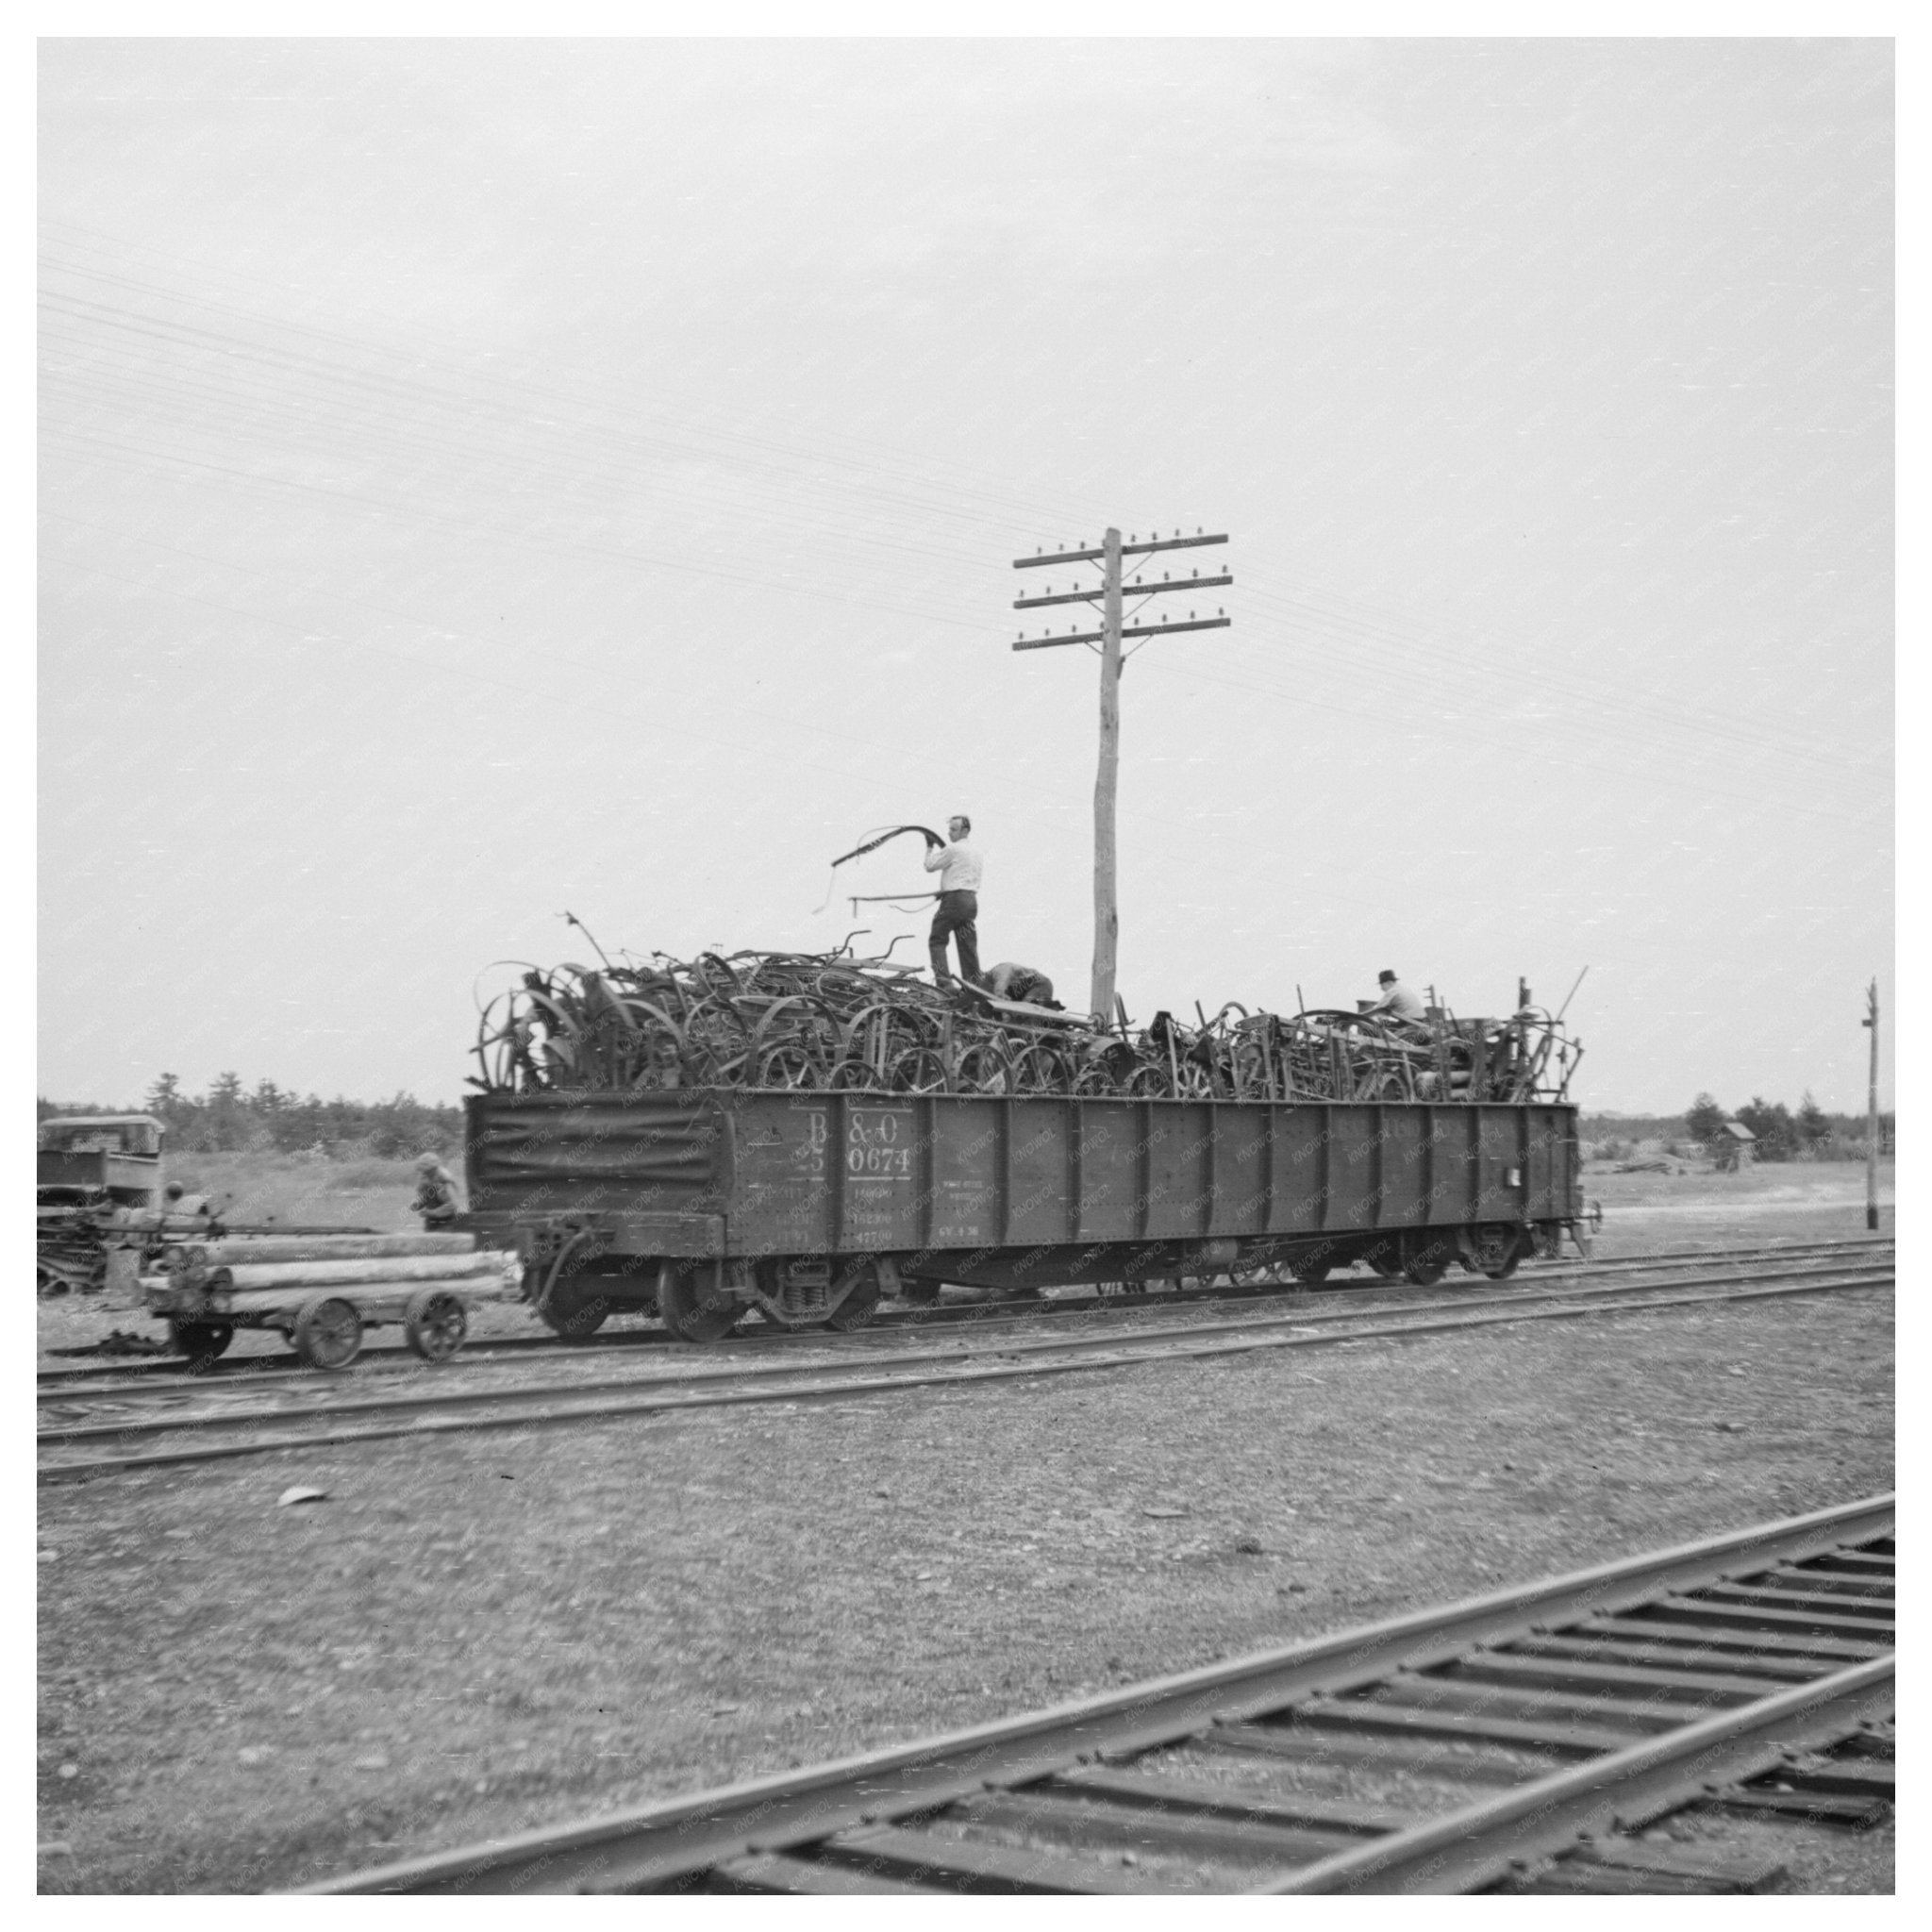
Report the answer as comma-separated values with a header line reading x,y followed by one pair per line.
x,y
1735,1142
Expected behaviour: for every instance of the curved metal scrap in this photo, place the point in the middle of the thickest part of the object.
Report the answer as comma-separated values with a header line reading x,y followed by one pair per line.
x,y
827,1020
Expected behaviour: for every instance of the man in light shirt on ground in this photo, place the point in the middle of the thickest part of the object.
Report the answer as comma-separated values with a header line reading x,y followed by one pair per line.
x,y
1397,1001
959,866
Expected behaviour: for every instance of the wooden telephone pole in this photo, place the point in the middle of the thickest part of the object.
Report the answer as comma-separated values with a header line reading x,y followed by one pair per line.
x,y
1870,1020
1109,595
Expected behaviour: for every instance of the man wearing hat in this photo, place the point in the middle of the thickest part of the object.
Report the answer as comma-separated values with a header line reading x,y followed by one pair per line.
x,y
176,1201
1397,1001
435,1193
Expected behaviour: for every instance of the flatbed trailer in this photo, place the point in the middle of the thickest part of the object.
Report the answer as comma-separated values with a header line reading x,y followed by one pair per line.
x,y
321,1292
702,1203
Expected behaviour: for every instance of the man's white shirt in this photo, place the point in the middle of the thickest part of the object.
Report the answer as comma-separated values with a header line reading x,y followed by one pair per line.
x,y
959,866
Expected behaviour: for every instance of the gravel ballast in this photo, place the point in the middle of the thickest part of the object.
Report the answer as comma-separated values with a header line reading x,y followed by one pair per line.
x,y
494,1632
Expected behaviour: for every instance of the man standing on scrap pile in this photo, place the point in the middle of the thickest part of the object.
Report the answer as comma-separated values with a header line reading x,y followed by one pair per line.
x,y
959,866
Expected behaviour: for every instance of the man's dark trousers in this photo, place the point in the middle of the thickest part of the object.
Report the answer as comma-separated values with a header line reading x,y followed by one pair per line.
x,y
957,913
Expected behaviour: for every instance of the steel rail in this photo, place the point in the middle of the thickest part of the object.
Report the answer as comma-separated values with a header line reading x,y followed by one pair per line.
x,y
743,1386
1001,1308
1484,1841
317,1395
59,1385
760,1832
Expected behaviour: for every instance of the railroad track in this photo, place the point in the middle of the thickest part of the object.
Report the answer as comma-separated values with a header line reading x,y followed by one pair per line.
x,y
1002,1308
142,1427
1510,1742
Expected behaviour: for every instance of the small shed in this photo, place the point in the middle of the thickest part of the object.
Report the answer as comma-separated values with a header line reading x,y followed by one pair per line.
x,y
1735,1142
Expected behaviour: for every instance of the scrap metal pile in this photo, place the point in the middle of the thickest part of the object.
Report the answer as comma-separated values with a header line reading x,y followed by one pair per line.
x,y
831,1021
71,1248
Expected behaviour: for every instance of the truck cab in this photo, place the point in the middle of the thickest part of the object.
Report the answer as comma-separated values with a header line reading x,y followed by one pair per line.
x,y
109,1160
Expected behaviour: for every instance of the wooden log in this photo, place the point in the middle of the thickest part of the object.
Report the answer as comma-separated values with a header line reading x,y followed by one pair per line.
x,y
293,1247
487,1266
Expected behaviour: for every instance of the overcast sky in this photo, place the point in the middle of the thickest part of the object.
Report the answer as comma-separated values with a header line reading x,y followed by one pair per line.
x,y
482,480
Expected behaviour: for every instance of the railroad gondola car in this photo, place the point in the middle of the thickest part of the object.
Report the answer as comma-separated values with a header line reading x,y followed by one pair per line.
x,y
704,1203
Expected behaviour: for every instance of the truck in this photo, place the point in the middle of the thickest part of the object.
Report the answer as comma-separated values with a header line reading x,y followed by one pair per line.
x,y
94,1174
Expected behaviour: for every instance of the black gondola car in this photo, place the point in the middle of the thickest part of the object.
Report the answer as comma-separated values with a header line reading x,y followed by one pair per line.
x,y
703,1203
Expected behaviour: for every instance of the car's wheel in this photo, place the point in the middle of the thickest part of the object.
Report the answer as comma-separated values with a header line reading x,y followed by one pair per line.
x,y
329,1332
1427,1259
435,1323
201,1342
1497,1251
683,1309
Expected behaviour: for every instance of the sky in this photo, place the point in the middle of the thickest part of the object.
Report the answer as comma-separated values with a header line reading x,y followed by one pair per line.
x,y
482,480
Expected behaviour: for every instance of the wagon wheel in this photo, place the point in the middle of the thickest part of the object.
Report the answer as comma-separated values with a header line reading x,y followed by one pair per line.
x,y
329,1332
1380,1084
854,1076
435,1323
719,1052
1041,1069
1148,1081
798,1025
788,1065
715,975
982,1069
1192,1081
1094,1080
919,1070
682,1308
201,1342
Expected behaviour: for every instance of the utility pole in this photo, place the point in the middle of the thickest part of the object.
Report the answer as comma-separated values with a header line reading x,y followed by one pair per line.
x,y
1870,1020
1106,911
1109,595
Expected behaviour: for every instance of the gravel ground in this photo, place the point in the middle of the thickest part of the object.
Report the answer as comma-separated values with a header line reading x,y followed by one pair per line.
x,y
521,1628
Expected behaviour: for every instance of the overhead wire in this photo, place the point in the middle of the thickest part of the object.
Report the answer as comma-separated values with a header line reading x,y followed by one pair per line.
x,y
1322,625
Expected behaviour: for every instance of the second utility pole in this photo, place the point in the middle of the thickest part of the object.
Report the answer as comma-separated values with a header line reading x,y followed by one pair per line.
x,y
1110,636
1872,1113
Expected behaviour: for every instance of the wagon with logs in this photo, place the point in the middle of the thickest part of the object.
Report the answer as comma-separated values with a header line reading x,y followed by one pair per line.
x,y
322,1293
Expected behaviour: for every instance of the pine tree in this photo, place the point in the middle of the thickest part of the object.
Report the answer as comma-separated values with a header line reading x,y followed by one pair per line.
x,y
1705,1121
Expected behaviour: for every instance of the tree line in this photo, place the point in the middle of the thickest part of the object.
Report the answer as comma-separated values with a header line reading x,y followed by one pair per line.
x,y
1809,1134
231,1119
